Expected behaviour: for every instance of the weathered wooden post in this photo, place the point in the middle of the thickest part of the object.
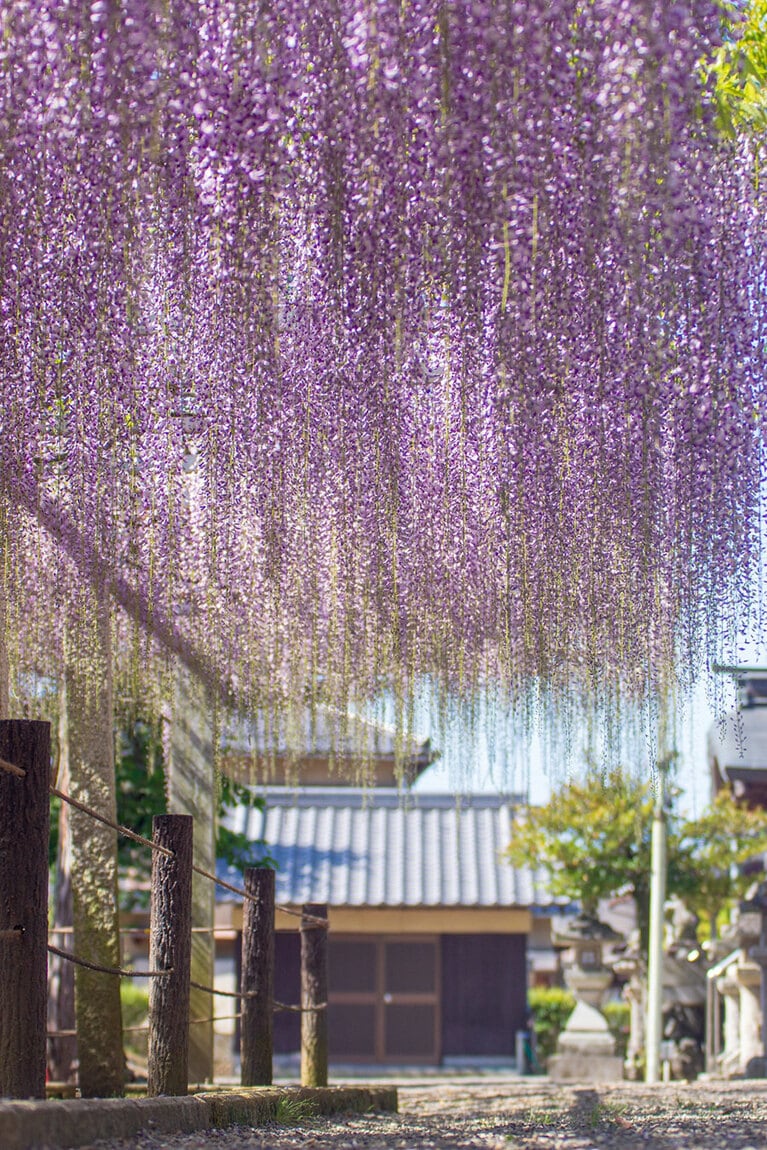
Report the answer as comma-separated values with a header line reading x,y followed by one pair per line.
x,y
170,949
24,823
314,995
256,1025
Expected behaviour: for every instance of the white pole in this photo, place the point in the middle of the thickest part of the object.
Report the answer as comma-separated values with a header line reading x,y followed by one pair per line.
x,y
654,1031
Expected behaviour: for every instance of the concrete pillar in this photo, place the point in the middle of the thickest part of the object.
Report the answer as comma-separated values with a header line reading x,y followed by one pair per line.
x,y
729,988
750,1014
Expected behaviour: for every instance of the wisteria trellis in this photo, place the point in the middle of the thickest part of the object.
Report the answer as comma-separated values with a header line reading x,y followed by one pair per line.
x,y
372,339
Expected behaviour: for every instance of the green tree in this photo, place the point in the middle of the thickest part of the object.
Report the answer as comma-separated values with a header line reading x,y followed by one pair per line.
x,y
738,70
593,839
141,794
725,835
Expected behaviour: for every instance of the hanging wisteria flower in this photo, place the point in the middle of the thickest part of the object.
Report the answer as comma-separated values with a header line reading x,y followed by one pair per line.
x,y
351,343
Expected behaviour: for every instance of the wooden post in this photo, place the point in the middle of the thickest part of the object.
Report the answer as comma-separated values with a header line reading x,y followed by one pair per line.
x,y
256,1029
170,947
314,993
24,824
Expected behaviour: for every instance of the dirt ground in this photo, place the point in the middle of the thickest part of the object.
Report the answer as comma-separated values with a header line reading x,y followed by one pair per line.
x,y
516,1114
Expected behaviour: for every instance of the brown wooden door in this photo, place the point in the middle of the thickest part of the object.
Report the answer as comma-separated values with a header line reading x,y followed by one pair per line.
x,y
385,999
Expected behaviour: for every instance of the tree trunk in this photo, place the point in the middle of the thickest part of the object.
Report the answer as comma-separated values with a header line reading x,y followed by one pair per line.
x,y
62,1052
94,855
192,791
5,679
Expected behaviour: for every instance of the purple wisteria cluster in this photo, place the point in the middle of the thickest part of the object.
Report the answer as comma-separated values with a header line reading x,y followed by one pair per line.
x,y
349,343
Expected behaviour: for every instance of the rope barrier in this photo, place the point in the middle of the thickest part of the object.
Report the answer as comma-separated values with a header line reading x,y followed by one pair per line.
x,y
309,919
12,770
218,1018
122,973
299,1009
238,890
226,885
126,831
223,993
253,994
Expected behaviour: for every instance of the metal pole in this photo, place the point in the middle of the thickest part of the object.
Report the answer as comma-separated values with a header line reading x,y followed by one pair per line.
x,y
654,1031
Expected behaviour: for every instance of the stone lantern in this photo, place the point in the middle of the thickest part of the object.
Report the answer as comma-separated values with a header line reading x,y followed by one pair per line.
x,y
586,1048
582,940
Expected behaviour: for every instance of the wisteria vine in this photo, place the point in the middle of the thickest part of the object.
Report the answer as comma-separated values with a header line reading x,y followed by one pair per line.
x,y
362,341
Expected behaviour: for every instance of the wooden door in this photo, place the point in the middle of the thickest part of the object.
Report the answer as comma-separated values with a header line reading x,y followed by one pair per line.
x,y
384,999
410,1000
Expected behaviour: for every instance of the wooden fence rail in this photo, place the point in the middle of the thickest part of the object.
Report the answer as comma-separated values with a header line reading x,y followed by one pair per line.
x,y
24,832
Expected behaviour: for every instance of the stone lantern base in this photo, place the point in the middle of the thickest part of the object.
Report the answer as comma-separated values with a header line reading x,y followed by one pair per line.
x,y
586,1049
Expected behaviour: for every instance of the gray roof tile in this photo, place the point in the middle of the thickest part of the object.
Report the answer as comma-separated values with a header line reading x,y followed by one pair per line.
x,y
350,847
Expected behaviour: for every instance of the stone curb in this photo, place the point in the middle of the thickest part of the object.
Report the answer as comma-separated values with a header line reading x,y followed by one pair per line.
x,y
80,1121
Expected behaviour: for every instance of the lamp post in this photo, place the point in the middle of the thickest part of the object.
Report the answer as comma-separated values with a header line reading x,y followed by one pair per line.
x,y
654,1029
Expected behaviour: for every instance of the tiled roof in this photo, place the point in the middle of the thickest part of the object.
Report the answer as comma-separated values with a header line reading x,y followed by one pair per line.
x,y
324,732
383,848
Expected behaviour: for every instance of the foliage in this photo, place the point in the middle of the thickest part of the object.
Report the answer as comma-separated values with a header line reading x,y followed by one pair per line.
x,y
294,1111
135,1007
141,794
618,1015
140,787
739,69
593,838
726,835
234,847
550,1008
135,1003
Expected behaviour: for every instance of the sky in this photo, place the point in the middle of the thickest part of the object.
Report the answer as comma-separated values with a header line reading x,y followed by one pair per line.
x,y
494,758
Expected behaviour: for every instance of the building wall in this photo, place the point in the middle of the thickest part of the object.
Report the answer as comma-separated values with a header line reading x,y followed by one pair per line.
x,y
484,999
412,998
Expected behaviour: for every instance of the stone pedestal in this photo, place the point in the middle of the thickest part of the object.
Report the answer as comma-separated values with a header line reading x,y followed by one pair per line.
x,y
586,1049
749,980
729,988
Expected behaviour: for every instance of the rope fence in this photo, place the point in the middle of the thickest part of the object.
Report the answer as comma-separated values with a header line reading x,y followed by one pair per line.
x,y
247,897
121,972
276,1006
12,770
126,831
25,792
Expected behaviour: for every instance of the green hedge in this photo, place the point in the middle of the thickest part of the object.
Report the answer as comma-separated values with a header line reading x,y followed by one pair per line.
x,y
550,1007
618,1015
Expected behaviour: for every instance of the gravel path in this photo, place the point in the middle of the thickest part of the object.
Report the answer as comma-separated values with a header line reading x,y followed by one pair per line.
x,y
518,1114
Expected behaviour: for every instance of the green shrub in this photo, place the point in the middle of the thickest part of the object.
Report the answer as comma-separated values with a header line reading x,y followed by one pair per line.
x,y
550,1007
293,1111
618,1015
135,1005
